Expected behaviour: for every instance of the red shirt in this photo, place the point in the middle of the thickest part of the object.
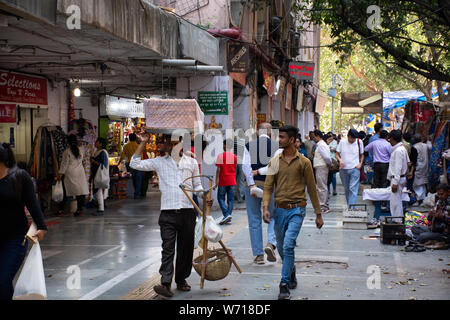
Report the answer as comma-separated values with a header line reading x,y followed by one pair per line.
x,y
227,162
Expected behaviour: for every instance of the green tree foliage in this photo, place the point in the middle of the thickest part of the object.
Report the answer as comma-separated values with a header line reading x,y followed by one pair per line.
x,y
361,72
408,32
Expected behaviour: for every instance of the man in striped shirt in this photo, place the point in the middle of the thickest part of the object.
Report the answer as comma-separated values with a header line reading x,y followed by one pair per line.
x,y
177,218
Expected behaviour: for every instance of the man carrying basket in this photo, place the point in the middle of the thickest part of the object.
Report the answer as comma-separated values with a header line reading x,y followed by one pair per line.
x,y
177,218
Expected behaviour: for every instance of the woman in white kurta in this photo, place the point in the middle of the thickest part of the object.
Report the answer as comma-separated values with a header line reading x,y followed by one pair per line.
x,y
75,182
421,173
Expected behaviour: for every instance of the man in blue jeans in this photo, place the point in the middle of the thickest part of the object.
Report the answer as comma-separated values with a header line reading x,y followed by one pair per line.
x,y
226,180
289,173
257,155
350,154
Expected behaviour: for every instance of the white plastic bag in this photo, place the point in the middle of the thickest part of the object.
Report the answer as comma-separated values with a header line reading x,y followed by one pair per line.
x,y
57,192
198,231
101,179
213,232
258,192
430,200
31,282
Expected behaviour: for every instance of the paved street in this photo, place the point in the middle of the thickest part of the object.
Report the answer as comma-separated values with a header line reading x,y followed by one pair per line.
x,y
118,253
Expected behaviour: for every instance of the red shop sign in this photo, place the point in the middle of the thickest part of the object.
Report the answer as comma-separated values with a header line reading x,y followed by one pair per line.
x,y
19,88
7,113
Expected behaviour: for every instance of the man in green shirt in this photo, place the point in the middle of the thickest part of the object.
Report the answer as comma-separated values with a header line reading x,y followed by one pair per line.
x,y
289,174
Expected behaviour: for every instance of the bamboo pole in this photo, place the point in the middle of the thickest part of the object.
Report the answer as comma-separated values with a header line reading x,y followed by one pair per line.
x,y
205,243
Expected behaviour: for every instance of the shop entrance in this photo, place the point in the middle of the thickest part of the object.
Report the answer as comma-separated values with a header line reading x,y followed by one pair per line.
x,y
21,133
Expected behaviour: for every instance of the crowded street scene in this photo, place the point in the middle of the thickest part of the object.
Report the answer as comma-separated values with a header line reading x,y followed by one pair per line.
x,y
228,152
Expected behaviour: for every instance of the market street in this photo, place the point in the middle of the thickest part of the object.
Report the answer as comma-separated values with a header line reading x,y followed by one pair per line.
x,y
118,256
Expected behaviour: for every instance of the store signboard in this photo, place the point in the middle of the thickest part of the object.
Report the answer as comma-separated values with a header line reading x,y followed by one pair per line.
x,y
7,113
213,102
301,70
238,58
125,108
19,88
260,118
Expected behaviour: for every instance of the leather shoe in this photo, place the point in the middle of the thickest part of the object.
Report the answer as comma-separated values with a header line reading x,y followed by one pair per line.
x,y
284,292
183,286
163,290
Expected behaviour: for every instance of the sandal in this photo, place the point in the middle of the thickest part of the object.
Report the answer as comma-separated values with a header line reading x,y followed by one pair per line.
x,y
419,248
414,248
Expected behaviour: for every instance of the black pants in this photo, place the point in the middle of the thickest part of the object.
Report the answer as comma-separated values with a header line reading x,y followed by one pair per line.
x,y
380,171
177,227
80,201
423,234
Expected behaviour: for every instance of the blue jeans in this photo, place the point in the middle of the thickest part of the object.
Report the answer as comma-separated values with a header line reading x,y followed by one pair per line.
x,y
332,181
12,254
229,192
137,181
254,215
288,223
350,180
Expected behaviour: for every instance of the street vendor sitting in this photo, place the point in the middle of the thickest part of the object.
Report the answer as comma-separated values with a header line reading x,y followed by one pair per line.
x,y
440,218
177,218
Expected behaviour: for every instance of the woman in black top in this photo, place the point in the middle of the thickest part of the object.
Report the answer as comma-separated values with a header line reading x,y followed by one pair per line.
x,y
16,193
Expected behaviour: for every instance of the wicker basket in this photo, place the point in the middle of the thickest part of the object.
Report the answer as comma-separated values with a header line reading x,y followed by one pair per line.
x,y
218,264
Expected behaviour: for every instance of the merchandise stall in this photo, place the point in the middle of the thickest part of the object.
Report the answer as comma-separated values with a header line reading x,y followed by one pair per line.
x,y
123,117
430,119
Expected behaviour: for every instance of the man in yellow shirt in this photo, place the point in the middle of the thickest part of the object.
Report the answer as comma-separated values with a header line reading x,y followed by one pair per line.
x,y
128,150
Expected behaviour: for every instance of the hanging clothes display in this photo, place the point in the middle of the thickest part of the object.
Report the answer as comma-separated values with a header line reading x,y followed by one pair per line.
x,y
440,143
48,146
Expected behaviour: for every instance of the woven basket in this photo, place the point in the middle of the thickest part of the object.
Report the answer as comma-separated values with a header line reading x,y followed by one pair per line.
x,y
218,264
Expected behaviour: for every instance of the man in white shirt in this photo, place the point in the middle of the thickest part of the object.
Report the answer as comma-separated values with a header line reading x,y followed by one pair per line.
x,y
398,166
350,153
322,160
257,155
177,218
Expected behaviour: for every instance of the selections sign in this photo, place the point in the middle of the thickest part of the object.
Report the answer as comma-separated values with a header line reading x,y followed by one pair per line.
x,y
7,113
213,102
19,88
238,58
301,70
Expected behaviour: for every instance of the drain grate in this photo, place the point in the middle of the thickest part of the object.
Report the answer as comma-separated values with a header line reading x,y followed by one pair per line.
x,y
321,262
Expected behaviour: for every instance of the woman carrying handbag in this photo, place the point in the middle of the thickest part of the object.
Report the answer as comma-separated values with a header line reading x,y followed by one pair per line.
x,y
16,192
100,174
